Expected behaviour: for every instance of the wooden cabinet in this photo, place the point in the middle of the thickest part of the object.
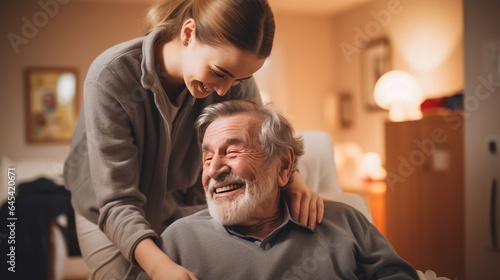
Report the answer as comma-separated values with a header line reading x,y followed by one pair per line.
x,y
425,192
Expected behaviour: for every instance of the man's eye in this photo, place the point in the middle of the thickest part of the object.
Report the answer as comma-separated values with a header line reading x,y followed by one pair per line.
x,y
207,158
218,75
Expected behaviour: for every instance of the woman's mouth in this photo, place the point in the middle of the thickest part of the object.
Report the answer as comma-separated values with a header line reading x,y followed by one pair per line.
x,y
205,88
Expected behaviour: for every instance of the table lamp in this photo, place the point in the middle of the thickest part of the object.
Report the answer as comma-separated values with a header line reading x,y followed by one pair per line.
x,y
400,93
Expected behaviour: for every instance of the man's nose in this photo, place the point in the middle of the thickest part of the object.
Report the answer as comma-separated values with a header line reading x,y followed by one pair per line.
x,y
218,166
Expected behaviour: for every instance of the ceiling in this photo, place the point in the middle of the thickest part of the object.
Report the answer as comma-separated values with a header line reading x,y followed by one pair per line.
x,y
290,6
315,6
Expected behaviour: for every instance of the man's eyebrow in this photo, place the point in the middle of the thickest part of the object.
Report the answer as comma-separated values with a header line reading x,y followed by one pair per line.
x,y
231,75
229,141
234,141
205,147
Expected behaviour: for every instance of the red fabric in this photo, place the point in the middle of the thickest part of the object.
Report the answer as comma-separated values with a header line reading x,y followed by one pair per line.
x,y
433,103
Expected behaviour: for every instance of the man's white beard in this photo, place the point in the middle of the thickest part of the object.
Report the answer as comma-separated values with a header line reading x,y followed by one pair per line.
x,y
235,210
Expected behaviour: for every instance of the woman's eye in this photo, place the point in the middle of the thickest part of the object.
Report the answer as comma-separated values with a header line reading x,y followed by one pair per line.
x,y
218,75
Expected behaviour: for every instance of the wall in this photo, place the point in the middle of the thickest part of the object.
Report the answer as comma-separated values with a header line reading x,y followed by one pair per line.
x,y
426,41
482,80
70,34
299,74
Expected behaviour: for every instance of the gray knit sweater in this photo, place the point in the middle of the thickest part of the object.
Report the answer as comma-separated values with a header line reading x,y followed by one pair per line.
x,y
344,246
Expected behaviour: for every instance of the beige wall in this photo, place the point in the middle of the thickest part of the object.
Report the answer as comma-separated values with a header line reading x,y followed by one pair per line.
x,y
300,71
72,35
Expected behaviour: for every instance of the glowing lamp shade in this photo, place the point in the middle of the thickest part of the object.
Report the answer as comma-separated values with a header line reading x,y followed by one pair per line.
x,y
400,93
371,167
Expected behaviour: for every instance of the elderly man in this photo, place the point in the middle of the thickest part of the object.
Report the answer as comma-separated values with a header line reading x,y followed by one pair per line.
x,y
249,154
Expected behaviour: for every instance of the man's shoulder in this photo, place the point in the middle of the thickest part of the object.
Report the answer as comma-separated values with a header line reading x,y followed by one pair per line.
x,y
331,205
186,223
184,231
201,216
335,210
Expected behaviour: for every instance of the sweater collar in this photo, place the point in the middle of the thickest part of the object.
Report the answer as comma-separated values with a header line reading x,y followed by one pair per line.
x,y
269,241
149,77
148,67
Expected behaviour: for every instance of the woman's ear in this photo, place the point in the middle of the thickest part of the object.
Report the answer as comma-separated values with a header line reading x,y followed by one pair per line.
x,y
187,31
286,170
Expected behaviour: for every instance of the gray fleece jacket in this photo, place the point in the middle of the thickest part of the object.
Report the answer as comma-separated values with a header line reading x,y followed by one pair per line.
x,y
133,150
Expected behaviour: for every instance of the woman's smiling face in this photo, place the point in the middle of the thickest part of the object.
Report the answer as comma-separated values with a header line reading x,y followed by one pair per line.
x,y
216,68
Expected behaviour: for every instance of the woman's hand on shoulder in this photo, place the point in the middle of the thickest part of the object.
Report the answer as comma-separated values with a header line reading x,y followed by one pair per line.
x,y
306,206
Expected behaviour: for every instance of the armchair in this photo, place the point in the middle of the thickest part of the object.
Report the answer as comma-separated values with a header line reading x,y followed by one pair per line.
x,y
317,169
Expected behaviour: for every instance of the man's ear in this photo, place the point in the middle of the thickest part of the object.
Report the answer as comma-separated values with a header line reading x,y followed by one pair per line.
x,y
187,30
286,168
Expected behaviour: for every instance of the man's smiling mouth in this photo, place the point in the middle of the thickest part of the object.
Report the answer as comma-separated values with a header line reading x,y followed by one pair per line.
x,y
228,188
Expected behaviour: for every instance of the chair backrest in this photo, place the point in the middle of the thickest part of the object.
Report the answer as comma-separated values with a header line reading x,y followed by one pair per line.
x,y
317,165
318,170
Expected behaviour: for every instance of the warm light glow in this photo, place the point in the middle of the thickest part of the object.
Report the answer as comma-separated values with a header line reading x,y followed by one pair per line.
x,y
426,45
347,159
66,86
430,46
400,93
371,167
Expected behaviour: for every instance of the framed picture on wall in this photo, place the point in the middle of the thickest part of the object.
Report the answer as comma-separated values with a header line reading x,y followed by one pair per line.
x,y
376,60
346,110
51,104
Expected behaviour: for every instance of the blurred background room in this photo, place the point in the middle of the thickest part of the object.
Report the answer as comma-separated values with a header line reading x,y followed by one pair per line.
x,y
422,149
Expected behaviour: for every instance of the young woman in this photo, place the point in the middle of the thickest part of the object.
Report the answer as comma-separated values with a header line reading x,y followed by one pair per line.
x,y
135,151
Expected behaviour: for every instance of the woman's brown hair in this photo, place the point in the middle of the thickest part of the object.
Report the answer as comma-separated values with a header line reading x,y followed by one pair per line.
x,y
246,24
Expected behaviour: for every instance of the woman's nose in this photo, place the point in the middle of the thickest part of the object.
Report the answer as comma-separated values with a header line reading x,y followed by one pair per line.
x,y
223,87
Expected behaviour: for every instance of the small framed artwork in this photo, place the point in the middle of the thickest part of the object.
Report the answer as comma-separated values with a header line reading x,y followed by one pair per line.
x,y
51,104
376,60
346,110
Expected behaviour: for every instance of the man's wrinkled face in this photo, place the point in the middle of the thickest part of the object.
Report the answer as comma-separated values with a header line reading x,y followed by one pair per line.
x,y
239,184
